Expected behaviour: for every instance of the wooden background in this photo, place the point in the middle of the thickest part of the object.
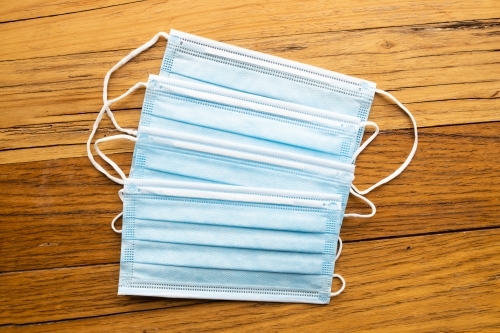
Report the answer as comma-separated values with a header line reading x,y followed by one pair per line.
x,y
429,261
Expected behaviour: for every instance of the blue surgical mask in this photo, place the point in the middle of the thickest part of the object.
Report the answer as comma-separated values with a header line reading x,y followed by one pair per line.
x,y
167,155
194,240
237,117
194,58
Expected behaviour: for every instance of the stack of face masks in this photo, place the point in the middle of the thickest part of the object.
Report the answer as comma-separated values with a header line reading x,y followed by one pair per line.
x,y
242,168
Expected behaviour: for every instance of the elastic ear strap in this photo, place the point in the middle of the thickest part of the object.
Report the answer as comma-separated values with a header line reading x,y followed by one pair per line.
x,y
374,209
107,159
119,64
96,126
410,156
369,140
114,221
339,251
341,288
120,194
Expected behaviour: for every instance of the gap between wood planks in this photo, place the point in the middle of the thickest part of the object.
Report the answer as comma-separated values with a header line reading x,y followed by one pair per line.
x,y
18,326
64,13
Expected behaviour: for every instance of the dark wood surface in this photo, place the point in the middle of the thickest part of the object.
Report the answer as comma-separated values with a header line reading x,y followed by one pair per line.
x,y
427,262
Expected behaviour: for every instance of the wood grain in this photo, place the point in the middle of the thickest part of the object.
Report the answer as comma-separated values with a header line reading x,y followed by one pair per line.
x,y
448,186
12,11
70,293
430,283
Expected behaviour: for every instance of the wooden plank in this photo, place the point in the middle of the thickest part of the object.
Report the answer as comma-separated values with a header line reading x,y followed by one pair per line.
x,y
70,293
446,282
467,91
107,29
452,184
382,51
15,11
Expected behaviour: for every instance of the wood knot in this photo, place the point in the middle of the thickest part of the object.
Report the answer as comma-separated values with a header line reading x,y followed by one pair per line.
x,y
387,45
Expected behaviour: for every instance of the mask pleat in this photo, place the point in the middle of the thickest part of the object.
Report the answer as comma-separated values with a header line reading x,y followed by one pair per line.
x,y
207,234
247,215
192,166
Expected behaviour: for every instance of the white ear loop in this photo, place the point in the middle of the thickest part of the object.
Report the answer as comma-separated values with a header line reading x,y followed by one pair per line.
x,y
374,209
120,194
107,159
96,126
369,140
113,223
410,156
341,288
106,108
119,64
339,250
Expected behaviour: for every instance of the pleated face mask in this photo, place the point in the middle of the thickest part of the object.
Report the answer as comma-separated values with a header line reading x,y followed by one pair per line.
x,y
173,156
249,119
190,57
211,241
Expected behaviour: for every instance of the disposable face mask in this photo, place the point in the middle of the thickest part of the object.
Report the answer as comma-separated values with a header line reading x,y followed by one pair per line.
x,y
196,59
173,233
190,57
167,155
249,119
210,241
